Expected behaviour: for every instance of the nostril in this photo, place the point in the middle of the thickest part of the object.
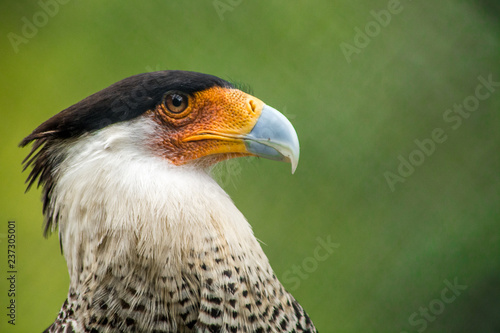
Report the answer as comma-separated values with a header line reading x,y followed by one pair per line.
x,y
252,104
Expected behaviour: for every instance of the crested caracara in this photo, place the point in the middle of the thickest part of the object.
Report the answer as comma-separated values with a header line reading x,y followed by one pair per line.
x,y
152,242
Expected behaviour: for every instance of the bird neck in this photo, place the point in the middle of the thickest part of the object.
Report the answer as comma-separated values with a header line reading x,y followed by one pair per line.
x,y
133,226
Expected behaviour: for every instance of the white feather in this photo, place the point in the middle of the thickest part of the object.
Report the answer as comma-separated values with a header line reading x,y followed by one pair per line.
x,y
112,184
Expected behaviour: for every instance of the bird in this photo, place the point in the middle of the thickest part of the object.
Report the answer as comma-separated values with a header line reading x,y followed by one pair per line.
x,y
152,242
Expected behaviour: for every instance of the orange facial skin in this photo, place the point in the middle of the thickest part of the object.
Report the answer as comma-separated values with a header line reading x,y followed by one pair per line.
x,y
212,125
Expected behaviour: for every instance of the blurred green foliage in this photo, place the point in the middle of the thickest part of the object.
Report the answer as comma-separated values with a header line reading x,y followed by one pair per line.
x,y
356,120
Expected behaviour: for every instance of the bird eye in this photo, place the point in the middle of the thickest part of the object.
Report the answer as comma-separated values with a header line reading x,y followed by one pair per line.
x,y
175,102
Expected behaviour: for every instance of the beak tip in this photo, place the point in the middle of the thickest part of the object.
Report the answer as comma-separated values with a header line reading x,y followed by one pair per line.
x,y
293,159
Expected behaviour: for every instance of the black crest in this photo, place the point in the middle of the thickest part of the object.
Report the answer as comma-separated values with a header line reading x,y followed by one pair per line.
x,y
122,101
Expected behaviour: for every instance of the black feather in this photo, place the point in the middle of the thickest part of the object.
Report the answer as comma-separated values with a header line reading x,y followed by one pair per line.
x,y
124,100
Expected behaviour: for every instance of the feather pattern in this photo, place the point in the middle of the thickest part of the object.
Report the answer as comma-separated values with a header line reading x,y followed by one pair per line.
x,y
153,247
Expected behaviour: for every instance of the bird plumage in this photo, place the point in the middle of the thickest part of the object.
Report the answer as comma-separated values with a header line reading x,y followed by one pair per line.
x,y
150,245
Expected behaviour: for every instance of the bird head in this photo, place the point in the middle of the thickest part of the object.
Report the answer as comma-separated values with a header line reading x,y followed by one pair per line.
x,y
198,116
183,117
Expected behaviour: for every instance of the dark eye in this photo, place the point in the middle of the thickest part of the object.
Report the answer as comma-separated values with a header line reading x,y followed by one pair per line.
x,y
176,102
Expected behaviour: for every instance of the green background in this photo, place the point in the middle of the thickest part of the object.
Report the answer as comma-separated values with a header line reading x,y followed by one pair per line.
x,y
354,120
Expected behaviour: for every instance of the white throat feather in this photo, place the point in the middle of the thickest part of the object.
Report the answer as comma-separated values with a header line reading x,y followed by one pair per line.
x,y
113,189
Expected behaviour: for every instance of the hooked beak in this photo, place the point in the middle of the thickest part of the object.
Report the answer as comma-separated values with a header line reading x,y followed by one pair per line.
x,y
273,137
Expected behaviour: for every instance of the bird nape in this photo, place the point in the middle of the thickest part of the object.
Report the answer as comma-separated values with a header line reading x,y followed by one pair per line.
x,y
152,242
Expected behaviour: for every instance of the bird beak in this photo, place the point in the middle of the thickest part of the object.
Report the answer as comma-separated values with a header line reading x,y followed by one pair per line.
x,y
233,124
273,137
